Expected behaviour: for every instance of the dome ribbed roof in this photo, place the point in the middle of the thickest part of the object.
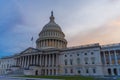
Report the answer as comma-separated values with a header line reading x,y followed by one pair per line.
x,y
52,25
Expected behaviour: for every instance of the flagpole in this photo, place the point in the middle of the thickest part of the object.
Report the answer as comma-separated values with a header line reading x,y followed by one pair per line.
x,y
32,42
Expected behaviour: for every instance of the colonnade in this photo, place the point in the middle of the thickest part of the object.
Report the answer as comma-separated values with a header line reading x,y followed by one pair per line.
x,y
52,33
111,57
51,43
53,71
42,60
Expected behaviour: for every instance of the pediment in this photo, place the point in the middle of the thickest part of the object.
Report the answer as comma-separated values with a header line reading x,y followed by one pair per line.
x,y
29,50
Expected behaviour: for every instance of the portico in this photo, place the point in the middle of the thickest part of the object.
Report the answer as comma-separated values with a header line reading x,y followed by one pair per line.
x,y
47,62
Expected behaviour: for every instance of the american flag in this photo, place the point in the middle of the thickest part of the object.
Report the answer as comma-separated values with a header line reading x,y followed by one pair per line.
x,y
32,39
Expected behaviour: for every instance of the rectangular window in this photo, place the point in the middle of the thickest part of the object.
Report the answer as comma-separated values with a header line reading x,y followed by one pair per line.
x,y
78,61
71,70
71,62
94,70
65,61
87,71
65,70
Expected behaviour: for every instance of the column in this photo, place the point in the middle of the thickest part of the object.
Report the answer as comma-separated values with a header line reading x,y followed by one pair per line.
x,y
112,72
20,61
47,43
53,43
28,61
52,59
110,58
57,43
16,61
104,57
37,59
43,43
46,60
34,59
40,60
49,61
23,61
116,60
57,61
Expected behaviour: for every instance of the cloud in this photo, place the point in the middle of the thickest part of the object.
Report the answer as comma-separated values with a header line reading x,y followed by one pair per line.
x,y
80,20
105,34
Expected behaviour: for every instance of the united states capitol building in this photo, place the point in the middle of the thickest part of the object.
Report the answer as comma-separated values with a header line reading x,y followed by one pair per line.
x,y
52,57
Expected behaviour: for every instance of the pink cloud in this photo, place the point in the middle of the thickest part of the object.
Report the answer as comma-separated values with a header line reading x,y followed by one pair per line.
x,y
105,34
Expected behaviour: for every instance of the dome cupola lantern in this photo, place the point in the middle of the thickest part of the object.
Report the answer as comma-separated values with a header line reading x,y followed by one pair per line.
x,y
52,17
51,36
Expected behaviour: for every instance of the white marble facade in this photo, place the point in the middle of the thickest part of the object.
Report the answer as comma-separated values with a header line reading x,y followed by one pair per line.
x,y
52,56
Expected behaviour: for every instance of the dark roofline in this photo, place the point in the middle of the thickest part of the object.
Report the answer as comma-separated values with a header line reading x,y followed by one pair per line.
x,y
95,45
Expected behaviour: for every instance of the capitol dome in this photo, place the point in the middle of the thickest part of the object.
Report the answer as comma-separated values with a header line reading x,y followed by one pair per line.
x,y
51,36
52,26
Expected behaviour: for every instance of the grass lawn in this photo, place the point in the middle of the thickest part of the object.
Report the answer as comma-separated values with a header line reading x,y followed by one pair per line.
x,y
63,77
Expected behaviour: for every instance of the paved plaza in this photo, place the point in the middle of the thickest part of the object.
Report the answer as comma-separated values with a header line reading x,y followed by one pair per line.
x,y
18,78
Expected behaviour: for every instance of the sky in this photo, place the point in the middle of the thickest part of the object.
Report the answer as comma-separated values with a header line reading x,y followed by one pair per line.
x,y
82,21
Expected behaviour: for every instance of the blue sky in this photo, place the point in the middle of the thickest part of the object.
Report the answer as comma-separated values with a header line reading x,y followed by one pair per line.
x,y
82,21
